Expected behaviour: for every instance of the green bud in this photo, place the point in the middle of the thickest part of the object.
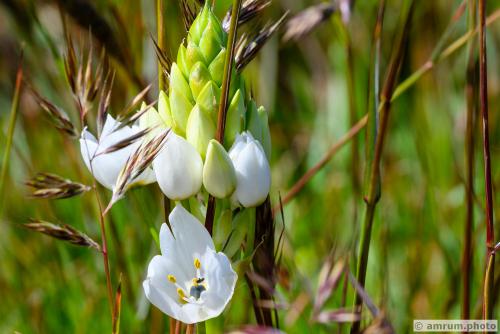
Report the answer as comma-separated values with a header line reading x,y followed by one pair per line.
x,y
179,83
211,42
219,176
266,133
216,67
180,108
209,98
253,120
193,54
181,60
258,126
198,78
200,129
150,119
199,24
164,110
235,119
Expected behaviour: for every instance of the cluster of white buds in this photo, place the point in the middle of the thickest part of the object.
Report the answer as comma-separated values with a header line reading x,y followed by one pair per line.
x,y
191,162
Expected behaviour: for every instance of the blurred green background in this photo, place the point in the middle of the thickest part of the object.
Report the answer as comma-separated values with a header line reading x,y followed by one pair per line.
x,y
414,271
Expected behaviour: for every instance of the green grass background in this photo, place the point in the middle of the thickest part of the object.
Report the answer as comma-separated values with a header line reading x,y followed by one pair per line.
x,y
47,286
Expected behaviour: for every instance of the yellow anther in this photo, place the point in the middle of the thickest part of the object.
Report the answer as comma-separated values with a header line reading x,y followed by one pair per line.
x,y
197,263
195,282
182,296
172,278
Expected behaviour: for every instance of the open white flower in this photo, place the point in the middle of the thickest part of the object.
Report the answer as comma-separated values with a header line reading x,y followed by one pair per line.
x,y
253,173
190,281
107,166
178,168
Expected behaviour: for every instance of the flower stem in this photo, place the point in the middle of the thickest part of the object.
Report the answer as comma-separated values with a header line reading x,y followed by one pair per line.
x,y
104,250
226,82
10,132
483,96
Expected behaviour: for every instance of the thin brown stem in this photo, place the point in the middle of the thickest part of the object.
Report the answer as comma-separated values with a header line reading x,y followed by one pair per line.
x,y
226,82
190,329
401,88
178,327
104,250
297,187
172,323
483,98
470,94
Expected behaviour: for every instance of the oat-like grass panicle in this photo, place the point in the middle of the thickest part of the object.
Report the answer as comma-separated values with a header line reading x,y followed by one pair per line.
x,y
249,10
62,232
307,20
51,186
248,46
137,163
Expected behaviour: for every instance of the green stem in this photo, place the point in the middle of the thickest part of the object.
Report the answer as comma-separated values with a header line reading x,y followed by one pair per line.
x,y
373,187
400,89
161,41
226,81
10,133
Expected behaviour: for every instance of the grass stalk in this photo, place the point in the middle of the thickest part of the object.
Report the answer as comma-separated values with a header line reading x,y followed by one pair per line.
x,y
483,98
10,133
161,40
400,89
373,195
104,249
470,93
226,82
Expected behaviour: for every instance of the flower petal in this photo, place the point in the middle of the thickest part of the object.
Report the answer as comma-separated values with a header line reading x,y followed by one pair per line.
x,y
221,279
178,168
190,235
159,290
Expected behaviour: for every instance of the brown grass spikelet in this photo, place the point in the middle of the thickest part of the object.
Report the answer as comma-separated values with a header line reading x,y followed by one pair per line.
x,y
62,232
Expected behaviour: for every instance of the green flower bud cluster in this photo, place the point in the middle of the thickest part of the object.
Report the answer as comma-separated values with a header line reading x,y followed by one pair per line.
x,y
191,106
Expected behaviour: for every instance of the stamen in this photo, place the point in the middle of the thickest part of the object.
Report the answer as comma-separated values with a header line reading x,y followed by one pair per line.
x,y
197,263
172,278
182,295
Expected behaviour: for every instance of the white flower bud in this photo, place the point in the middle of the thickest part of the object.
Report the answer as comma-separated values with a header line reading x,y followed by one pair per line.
x,y
253,173
178,168
219,176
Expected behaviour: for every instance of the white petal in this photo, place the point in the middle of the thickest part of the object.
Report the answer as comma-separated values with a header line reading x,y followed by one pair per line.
x,y
170,249
110,124
253,172
106,167
159,290
221,279
178,168
191,236
88,146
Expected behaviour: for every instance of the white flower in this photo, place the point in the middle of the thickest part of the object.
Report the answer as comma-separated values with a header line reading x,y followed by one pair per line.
x,y
190,281
253,174
107,166
178,168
